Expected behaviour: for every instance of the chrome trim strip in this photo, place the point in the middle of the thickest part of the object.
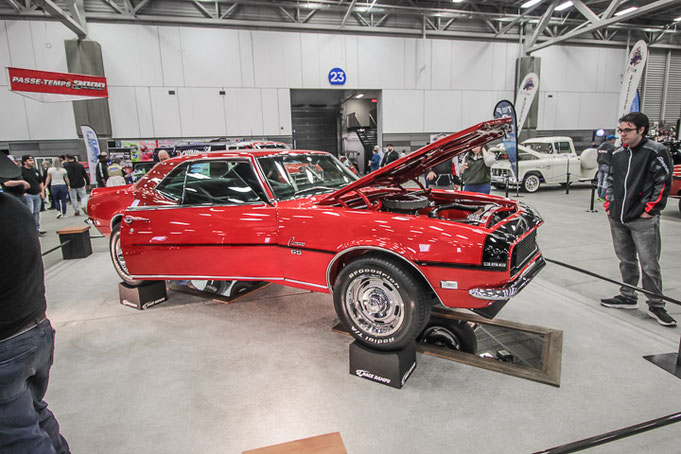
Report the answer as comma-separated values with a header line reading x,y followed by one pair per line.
x,y
207,205
344,251
217,278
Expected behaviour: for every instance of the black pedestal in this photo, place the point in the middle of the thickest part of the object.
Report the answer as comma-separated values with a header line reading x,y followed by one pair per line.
x,y
78,246
671,362
391,368
144,296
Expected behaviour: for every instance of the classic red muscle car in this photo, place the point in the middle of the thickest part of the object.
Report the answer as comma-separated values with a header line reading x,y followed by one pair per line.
x,y
386,252
675,191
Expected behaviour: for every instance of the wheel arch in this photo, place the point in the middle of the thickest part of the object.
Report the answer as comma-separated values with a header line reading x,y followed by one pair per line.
x,y
536,173
346,256
115,220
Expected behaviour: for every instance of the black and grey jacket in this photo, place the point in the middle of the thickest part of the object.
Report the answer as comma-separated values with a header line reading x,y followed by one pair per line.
x,y
639,181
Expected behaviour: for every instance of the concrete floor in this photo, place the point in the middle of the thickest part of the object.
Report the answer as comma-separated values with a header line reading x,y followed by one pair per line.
x,y
193,375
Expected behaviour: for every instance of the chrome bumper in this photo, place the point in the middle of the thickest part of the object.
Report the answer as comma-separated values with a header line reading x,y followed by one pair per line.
x,y
513,288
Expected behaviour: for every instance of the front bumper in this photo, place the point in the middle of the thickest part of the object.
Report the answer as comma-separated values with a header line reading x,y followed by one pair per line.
x,y
513,288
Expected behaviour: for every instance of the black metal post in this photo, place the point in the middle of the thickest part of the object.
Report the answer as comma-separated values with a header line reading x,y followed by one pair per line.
x,y
507,183
593,194
567,184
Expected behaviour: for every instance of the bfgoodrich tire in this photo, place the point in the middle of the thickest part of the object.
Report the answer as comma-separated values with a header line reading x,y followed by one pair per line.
x,y
452,334
117,256
381,303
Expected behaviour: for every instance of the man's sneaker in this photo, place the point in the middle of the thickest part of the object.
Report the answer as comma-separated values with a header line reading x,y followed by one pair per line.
x,y
619,302
661,316
77,213
59,215
42,233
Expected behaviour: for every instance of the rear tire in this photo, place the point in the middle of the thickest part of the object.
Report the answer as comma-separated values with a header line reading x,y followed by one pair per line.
x,y
381,303
117,257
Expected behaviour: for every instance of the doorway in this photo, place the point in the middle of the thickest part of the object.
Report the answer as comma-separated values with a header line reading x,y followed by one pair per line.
x,y
342,122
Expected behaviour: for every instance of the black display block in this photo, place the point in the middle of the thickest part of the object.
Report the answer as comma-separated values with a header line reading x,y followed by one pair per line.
x,y
144,296
78,246
390,368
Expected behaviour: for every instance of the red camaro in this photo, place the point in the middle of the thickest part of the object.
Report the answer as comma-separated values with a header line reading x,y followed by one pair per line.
x,y
385,251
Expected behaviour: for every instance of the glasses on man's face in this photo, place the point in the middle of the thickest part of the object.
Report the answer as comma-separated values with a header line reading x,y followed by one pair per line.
x,y
627,130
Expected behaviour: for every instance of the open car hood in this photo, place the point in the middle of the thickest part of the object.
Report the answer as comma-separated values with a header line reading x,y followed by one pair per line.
x,y
420,161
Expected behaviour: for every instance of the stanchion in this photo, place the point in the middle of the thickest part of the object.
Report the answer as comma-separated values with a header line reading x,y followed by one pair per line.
x,y
506,183
593,194
567,184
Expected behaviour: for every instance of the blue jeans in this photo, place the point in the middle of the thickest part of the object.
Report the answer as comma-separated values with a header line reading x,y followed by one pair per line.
x,y
59,192
603,171
481,188
26,425
33,203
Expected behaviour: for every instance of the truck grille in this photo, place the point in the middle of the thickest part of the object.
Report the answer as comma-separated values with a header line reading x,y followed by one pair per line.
x,y
523,251
499,172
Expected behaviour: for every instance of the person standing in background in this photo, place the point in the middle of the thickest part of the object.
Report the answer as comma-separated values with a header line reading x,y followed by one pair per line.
x,y
390,155
36,191
115,172
58,180
605,151
79,184
476,170
101,173
375,162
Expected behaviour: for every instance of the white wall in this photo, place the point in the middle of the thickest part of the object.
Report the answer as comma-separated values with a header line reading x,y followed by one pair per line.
x,y
428,85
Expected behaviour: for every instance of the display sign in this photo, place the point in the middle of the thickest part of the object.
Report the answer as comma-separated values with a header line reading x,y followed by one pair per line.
x,y
505,108
337,76
523,101
92,147
632,76
46,86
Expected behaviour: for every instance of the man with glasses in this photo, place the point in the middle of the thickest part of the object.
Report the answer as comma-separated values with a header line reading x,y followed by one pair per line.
x,y
637,190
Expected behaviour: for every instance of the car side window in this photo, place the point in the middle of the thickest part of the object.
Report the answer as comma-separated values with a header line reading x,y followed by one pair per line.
x,y
564,147
219,182
173,184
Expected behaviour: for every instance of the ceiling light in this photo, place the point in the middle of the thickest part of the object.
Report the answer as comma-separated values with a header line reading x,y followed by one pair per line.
x,y
457,1
626,11
678,19
530,3
361,95
563,6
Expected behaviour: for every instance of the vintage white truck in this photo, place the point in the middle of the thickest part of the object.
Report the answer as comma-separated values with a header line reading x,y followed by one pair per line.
x,y
544,160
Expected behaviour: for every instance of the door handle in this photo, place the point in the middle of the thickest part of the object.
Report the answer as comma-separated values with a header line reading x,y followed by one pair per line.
x,y
130,219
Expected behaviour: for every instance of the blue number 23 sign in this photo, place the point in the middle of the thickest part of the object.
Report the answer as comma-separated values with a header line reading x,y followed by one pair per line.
x,y
337,76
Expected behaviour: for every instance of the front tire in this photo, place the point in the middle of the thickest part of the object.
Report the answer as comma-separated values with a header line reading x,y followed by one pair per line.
x,y
117,257
381,303
531,183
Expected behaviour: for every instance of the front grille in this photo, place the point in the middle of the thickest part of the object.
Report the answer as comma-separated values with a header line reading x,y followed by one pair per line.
x,y
499,172
523,251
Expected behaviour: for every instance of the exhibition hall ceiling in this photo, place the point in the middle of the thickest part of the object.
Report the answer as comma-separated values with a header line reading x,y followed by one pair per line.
x,y
539,23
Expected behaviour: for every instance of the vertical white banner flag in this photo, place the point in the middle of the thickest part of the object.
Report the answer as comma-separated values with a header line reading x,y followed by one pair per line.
x,y
526,92
632,76
92,147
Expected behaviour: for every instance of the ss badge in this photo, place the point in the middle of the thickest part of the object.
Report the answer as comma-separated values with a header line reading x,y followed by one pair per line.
x,y
296,252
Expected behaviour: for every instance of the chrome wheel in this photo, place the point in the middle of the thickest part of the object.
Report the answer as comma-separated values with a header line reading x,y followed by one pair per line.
x,y
374,304
117,257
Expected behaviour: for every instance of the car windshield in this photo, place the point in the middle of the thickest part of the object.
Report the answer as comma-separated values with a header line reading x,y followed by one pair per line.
x,y
300,175
541,147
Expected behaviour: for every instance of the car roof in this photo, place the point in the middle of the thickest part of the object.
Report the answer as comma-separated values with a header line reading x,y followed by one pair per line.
x,y
546,139
245,153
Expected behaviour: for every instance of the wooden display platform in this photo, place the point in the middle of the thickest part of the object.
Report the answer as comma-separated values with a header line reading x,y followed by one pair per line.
x,y
323,444
552,349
